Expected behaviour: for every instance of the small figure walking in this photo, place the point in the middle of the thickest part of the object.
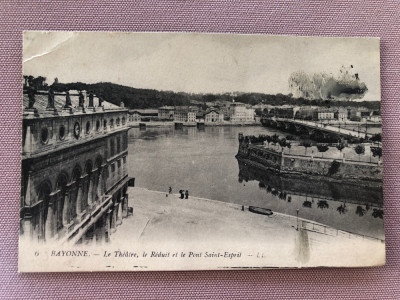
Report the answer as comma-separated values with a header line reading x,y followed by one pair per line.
x,y
182,194
170,190
187,194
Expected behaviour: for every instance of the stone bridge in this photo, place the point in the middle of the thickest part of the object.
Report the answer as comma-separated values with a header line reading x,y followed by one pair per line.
x,y
312,128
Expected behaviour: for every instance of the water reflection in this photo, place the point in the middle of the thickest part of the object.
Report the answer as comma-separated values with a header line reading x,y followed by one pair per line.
x,y
321,201
289,184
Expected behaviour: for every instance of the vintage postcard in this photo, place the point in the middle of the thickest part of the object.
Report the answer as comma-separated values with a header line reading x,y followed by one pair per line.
x,y
188,151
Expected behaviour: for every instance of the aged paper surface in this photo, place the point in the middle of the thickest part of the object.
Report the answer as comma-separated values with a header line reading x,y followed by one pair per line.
x,y
183,151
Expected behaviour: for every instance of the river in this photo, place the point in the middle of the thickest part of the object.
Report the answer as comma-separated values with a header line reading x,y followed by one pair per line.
x,y
203,162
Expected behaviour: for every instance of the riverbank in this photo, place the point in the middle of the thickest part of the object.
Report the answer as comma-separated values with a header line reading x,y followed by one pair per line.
x,y
203,226
191,124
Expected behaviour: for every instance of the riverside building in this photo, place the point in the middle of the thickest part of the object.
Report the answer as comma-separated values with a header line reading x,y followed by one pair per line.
x,y
74,175
213,116
238,112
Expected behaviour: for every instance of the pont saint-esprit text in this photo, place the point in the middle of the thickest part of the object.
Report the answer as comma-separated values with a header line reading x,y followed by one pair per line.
x,y
169,254
193,254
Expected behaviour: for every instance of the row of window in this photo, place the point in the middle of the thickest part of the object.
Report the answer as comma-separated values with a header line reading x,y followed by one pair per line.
x,y
44,135
117,122
115,149
118,163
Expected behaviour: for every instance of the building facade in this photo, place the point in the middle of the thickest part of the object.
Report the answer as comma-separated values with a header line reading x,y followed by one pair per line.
x,y
342,114
238,112
191,116
185,114
166,113
213,116
134,116
74,175
325,115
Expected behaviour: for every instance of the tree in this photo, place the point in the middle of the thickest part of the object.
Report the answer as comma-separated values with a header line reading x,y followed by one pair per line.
x,y
377,151
340,147
275,139
290,137
288,145
359,149
376,138
268,138
334,168
322,148
282,143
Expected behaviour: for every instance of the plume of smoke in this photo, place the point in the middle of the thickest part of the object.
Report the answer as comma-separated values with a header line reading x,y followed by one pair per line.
x,y
345,86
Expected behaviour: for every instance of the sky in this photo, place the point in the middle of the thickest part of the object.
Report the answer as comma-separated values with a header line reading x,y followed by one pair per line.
x,y
196,63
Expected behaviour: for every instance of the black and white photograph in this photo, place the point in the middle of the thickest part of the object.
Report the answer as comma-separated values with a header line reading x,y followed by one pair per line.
x,y
155,151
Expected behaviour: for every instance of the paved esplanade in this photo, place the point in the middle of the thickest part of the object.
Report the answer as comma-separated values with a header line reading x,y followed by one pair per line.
x,y
199,225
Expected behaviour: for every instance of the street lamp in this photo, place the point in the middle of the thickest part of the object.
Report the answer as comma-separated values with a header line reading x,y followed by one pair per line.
x,y
297,217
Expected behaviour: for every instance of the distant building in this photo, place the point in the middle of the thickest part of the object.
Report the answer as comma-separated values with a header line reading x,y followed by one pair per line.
x,y
191,116
144,115
355,114
238,112
304,113
282,112
375,117
200,117
134,116
166,113
181,114
212,115
342,114
185,114
324,115
360,114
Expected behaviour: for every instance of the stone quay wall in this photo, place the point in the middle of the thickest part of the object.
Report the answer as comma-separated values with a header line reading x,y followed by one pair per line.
x,y
298,164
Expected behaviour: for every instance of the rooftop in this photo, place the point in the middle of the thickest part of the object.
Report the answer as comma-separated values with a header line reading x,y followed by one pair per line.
x,y
41,101
144,111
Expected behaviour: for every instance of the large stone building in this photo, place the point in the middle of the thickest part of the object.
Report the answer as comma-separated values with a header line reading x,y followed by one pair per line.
x,y
213,116
238,113
166,113
185,114
74,175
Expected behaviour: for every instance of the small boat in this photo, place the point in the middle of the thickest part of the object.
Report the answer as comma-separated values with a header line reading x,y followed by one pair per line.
x,y
260,210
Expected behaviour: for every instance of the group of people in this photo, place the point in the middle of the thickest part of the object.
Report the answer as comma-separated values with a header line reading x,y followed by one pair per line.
x,y
184,193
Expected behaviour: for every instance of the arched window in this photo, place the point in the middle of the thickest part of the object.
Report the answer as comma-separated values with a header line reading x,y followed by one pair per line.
x,y
123,121
88,127
118,121
88,167
61,132
112,147
62,181
44,135
105,124
118,144
76,173
44,191
112,123
40,212
99,161
76,177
